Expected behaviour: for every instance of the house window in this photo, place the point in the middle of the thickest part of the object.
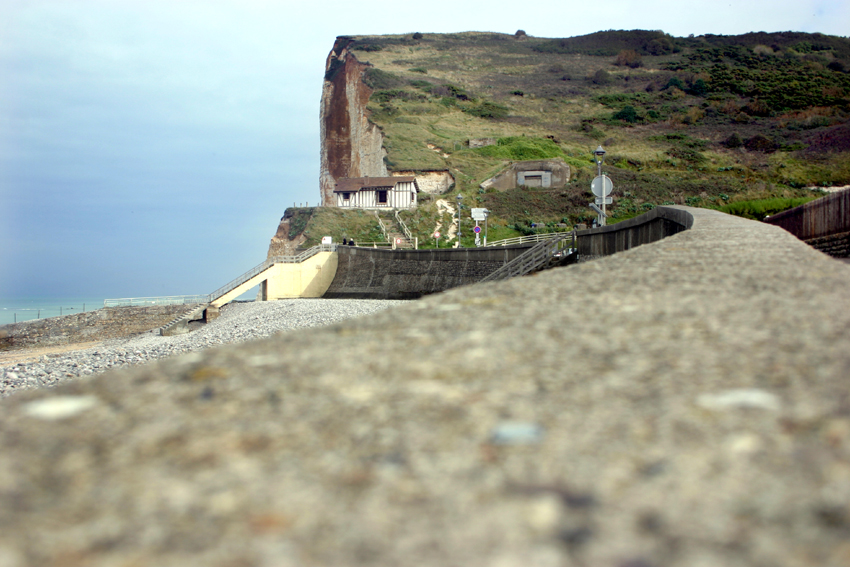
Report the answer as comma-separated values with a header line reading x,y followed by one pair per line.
x,y
346,196
382,197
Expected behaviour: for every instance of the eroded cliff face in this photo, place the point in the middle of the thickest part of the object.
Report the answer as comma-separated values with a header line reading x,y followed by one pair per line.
x,y
290,232
351,145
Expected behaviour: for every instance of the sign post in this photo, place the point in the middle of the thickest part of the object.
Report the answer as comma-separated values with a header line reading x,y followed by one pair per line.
x,y
602,186
599,155
437,237
480,214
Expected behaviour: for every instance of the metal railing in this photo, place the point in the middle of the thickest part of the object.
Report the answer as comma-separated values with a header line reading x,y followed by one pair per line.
x,y
259,268
534,258
148,301
383,227
226,288
527,239
403,226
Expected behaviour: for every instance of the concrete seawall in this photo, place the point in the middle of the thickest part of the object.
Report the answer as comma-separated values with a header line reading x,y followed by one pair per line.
x,y
368,273
681,403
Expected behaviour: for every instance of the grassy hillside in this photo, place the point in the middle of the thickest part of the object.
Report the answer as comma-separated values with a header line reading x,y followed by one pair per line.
x,y
706,121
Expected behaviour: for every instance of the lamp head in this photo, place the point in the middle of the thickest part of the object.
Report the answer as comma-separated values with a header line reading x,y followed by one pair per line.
x,y
599,153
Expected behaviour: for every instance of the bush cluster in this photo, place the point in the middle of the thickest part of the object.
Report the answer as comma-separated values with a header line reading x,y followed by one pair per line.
x,y
628,58
487,109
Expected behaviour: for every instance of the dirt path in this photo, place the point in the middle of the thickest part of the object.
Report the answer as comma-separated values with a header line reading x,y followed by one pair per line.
x,y
444,206
10,357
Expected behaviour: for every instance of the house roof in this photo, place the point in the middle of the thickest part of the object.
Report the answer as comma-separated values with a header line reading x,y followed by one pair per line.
x,y
353,184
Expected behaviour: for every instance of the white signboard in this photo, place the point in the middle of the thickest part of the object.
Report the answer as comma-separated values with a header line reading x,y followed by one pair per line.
x,y
327,240
602,186
604,200
479,214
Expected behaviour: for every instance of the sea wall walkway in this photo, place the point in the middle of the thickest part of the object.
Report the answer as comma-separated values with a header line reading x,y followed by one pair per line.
x,y
681,403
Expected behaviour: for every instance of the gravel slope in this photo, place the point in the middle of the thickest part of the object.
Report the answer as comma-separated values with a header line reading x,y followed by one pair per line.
x,y
238,322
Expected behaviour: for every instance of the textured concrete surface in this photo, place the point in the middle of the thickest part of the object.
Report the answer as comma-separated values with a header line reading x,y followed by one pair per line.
x,y
682,403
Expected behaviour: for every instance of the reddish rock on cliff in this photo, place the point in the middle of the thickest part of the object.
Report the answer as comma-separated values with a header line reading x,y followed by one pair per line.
x,y
351,145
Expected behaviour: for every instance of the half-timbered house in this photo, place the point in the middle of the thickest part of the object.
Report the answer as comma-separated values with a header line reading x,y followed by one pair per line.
x,y
377,192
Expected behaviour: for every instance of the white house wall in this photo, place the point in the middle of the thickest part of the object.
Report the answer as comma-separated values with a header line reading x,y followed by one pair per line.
x,y
402,196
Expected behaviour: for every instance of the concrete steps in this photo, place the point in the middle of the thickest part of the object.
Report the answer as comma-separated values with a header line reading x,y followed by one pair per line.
x,y
180,325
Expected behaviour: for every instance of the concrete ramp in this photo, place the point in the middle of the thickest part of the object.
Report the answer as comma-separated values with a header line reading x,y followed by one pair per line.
x,y
241,288
306,275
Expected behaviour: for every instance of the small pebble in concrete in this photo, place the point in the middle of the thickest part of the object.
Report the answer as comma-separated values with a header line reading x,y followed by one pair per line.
x,y
60,407
516,433
740,399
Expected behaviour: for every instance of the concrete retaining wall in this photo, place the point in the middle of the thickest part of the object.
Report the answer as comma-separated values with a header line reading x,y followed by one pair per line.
x,y
367,273
106,323
649,227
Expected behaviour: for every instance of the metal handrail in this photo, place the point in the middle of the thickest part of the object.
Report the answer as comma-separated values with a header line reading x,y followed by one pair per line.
x,y
403,226
383,228
228,287
164,300
525,239
309,253
532,259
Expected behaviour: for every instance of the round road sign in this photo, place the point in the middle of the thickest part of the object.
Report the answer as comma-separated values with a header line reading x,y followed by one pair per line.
x,y
437,234
477,229
602,186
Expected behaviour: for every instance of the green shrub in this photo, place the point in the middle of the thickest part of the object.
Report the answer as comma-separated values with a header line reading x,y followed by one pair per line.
x,y
422,70
628,58
675,82
699,88
733,141
449,90
688,155
627,114
487,109
381,80
601,77
760,143
388,95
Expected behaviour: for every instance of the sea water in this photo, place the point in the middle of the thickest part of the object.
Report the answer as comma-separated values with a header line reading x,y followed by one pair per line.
x,y
17,310
20,309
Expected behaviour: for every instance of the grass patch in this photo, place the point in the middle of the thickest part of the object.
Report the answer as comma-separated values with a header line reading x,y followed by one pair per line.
x,y
520,148
758,209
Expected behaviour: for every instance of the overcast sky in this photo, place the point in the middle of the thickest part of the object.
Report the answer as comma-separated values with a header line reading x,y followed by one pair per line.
x,y
150,147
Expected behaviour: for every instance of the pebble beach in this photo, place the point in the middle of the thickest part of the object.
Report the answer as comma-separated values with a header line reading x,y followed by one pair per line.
x,y
238,322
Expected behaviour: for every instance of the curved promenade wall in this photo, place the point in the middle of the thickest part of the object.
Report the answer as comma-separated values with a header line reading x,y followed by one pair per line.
x,y
681,403
823,223
370,273
649,227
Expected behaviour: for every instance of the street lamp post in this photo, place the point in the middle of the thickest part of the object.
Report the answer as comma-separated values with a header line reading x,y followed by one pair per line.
x,y
599,153
459,198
